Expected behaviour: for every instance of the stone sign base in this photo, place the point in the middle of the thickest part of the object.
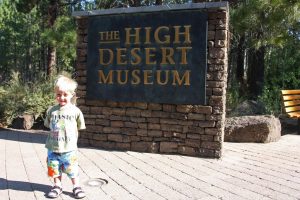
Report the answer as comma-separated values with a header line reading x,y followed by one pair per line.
x,y
195,130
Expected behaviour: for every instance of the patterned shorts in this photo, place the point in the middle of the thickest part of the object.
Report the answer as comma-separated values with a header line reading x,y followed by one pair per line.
x,y
59,163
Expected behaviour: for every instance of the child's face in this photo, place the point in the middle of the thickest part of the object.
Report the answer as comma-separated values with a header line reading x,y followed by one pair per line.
x,y
63,97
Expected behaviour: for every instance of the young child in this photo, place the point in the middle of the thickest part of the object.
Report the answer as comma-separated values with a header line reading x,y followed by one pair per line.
x,y
64,121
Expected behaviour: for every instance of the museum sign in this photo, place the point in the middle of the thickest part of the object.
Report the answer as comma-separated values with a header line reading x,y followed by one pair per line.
x,y
157,57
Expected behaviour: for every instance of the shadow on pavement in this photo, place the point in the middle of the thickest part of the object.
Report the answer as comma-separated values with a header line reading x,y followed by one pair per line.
x,y
23,136
23,186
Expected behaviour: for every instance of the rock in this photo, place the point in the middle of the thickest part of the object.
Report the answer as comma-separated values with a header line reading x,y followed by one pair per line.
x,y
261,128
25,121
168,147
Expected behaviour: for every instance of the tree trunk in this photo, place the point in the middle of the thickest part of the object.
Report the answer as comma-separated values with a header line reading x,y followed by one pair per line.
x,y
256,70
240,64
158,2
51,60
135,3
51,54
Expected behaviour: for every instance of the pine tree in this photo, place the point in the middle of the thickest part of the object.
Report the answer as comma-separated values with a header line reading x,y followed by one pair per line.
x,y
257,26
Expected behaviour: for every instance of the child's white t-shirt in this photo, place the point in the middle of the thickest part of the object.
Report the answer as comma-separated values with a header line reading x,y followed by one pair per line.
x,y
64,123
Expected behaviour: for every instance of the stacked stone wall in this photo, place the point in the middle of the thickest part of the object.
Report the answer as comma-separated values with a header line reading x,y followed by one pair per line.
x,y
194,130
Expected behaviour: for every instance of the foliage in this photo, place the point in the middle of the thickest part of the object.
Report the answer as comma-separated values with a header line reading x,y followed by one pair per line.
x,y
24,38
63,36
271,99
19,97
275,27
283,72
265,22
19,46
106,4
232,96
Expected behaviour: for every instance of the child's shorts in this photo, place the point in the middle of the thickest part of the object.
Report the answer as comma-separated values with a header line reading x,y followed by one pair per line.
x,y
62,162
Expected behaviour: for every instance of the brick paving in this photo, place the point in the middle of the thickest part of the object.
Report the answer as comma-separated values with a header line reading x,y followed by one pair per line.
x,y
246,171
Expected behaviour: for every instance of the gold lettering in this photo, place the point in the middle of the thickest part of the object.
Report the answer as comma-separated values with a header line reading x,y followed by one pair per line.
x,y
166,37
116,35
147,76
185,78
102,55
148,31
186,34
135,35
121,53
162,77
119,76
150,55
158,74
167,54
136,77
108,79
101,35
136,57
109,35
183,54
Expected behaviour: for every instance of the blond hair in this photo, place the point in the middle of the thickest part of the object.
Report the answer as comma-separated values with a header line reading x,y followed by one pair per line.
x,y
66,84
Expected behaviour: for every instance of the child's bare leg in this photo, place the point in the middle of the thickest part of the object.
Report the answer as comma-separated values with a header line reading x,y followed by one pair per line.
x,y
57,181
56,190
77,190
75,181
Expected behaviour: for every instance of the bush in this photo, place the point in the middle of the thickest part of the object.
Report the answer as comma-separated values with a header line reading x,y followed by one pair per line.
x,y
271,98
18,97
233,98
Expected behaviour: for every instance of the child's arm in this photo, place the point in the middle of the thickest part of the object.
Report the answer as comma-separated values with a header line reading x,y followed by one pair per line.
x,y
80,122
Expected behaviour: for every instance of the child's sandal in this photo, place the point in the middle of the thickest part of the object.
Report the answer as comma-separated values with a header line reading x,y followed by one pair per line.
x,y
78,193
54,192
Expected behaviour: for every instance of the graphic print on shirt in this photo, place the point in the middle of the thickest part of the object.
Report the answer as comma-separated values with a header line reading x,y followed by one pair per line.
x,y
64,123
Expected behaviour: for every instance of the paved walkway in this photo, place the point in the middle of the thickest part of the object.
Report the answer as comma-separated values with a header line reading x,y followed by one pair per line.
x,y
246,171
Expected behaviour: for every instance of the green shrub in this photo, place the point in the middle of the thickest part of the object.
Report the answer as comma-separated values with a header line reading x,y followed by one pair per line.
x,y
233,97
271,98
18,97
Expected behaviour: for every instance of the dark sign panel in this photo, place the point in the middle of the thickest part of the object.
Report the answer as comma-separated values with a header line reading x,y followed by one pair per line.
x,y
157,57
